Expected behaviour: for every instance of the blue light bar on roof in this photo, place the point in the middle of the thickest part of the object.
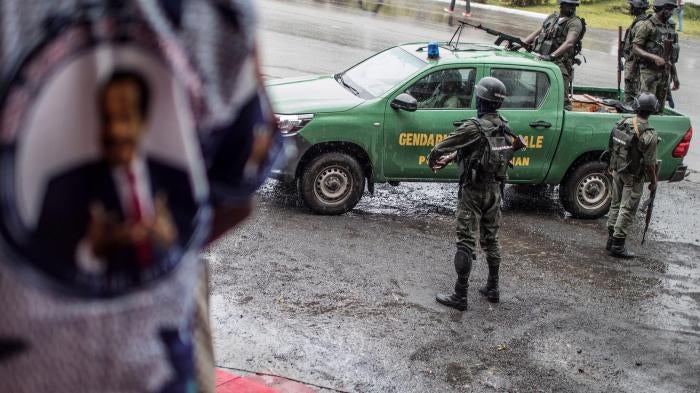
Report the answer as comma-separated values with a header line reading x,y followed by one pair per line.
x,y
433,50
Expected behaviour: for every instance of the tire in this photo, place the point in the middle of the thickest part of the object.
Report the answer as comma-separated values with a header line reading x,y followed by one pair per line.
x,y
332,183
585,192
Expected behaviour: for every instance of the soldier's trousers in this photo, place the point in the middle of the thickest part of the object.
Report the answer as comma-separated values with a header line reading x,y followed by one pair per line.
x,y
631,81
626,193
656,82
567,73
480,206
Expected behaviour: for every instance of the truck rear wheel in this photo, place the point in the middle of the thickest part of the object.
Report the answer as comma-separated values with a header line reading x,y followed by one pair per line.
x,y
332,183
585,192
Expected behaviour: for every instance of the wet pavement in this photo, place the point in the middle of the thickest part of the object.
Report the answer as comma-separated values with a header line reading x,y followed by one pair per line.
x,y
347,302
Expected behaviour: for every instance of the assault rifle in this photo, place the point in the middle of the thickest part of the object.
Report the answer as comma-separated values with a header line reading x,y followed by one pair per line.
x,y
668,51
650,207
620,45
514,43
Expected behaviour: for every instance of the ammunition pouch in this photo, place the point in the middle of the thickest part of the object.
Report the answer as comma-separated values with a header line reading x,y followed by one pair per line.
x,y
675,52
544,47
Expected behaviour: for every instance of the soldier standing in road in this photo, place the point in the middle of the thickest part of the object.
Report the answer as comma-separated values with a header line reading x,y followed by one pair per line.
x,y
655,72
483,148
559,41
632,161
638,9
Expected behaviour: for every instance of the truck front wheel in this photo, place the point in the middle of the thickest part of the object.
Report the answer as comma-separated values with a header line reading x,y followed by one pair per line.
x,y
332,183
585,192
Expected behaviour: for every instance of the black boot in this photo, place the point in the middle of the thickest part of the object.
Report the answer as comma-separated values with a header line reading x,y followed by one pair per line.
x,y
458,300
608,245
454,301
618,249
490,291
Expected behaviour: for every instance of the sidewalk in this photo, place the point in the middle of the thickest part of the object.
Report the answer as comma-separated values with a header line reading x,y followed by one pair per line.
x,y
227,382
482,6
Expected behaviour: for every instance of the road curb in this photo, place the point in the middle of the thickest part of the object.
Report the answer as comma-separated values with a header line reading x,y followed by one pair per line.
x,y
496,8
228,382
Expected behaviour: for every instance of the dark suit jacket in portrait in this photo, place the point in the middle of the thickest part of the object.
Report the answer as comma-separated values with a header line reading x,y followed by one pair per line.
x,y
65,215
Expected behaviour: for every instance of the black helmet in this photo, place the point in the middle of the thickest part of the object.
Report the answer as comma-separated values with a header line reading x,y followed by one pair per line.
x,y
491,89
645,102
450,81
574,2
639,3
450,76
663,3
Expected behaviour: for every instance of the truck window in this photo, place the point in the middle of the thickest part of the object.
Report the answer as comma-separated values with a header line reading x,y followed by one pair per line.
x,y
376,75
445,89
526,89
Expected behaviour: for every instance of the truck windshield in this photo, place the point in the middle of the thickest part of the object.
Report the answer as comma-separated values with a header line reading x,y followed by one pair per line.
x,y
376,75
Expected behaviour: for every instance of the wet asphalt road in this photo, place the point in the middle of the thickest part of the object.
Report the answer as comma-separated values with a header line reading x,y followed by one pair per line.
x,y
347,302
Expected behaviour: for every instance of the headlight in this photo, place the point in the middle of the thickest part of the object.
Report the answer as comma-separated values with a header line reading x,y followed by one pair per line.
x,y
292,124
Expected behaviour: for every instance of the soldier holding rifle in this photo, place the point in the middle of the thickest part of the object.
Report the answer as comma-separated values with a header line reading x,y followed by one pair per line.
x,y
559,41
632,161
656,44
638,9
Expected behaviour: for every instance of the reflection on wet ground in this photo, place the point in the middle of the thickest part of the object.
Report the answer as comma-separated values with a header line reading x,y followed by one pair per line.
x,y
347,301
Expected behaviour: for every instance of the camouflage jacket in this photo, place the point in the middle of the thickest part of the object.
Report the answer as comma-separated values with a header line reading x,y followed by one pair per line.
x,y
629,36
555,29
650,36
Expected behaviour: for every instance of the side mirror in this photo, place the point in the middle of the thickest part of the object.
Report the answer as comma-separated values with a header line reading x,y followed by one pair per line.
x,y
405,102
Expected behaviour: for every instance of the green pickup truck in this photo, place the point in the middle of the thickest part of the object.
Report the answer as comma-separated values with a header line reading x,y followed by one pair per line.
x,y
377,121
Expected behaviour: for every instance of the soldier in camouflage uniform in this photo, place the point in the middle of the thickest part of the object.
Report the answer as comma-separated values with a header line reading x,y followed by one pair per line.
x,y
655,72
559,41
483,148
638,10
632,161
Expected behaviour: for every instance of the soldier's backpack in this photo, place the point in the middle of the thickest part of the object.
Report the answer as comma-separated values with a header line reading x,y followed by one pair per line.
x,y
625,157
490,160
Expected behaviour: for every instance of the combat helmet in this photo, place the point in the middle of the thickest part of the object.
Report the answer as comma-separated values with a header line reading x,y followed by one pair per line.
x,y
664,3
450,81
639,3
574,2
645,102
491,89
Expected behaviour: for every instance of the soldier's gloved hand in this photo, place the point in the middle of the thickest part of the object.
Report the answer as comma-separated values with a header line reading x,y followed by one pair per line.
x,y
676,85
652,187
545,57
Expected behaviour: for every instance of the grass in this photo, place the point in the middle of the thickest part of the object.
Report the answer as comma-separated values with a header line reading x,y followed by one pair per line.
x,y
610,14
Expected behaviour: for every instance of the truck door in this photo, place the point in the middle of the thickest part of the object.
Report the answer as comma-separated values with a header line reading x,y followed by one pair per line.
x,y
444,96
532,109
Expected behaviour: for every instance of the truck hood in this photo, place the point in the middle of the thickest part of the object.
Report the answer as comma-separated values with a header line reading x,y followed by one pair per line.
x,y
315,94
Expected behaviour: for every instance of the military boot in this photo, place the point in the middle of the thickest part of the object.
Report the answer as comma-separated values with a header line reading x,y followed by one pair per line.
x,y
608,245
490,291
458,300
618,249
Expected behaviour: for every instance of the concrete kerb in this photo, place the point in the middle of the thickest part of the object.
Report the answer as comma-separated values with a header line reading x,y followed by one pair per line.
x,y
496,8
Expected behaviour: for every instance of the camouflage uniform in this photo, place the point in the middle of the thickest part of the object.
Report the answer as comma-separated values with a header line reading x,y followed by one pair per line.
x,y
650,36
480,200
629,176
631,61
553,35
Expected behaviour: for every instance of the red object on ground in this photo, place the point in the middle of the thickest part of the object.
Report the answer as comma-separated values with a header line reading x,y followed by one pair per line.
x,y
227,382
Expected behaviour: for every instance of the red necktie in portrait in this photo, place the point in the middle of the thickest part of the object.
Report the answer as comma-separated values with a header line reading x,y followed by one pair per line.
x,y
143,248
